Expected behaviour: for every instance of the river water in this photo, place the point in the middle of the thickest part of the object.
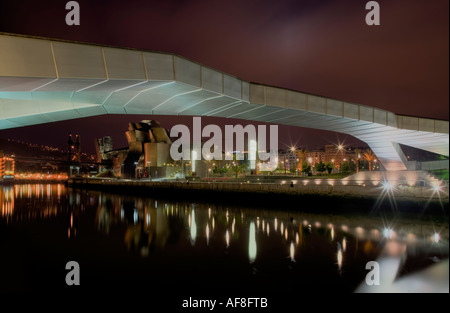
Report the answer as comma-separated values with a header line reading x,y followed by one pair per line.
x,y
191,249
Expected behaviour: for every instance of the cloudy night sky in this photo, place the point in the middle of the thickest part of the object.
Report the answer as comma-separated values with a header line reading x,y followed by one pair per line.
x,y
321,47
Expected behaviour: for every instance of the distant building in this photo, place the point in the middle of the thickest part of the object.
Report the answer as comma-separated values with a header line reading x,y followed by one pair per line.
x,y
7,165
332,153
288,160
102,146
147,155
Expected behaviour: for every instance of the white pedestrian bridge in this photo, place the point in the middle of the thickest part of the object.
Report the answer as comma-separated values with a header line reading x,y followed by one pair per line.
x,y
44,80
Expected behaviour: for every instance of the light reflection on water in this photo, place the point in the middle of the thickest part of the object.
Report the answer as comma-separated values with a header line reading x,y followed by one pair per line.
x,y
150,226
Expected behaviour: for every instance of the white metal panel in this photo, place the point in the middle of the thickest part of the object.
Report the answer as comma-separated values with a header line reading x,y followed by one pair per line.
x,y
12,108
257,94
25,57
316,104
426,124
351,110
441,126
187,72
232,87
159,66
296,100
380,116
245,91
335,107
124,64
276,97
365,113
409,122
22,83
79,61
212,80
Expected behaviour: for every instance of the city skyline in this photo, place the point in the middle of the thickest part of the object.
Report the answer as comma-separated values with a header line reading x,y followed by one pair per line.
x,y
94,127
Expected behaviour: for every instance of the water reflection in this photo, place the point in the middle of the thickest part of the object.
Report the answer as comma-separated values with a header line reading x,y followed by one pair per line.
x,y
339,256
252,243
147,226
193,227
292,252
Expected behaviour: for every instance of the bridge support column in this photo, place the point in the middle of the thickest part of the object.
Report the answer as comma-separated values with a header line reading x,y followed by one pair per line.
x,y
389,154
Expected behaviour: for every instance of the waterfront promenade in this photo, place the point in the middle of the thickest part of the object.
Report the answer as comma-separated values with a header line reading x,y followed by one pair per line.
x,y
297,186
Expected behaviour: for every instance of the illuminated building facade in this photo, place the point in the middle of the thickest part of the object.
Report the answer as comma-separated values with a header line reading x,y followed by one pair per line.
x,y
7,166
147,155
334,154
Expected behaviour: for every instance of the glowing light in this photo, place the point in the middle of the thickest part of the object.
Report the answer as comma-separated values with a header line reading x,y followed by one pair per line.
x,y
281,228
387,186
332,233
227,238
344,244
297,239
148,219
437,237
292,251
286,234
275,224
339,257
207,234
193,227
359,230
252,243
387,233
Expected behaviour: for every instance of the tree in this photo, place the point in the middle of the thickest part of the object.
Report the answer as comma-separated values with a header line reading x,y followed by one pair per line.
x,y
237,166
219,171
321,167
301,153
369,156
306,168
345,168
329,167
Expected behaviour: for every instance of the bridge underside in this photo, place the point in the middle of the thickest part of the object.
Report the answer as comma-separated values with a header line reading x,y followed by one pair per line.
x,y
45,81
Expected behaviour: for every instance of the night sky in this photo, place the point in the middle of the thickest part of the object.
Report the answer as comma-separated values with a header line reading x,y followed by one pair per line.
x,y
315,46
